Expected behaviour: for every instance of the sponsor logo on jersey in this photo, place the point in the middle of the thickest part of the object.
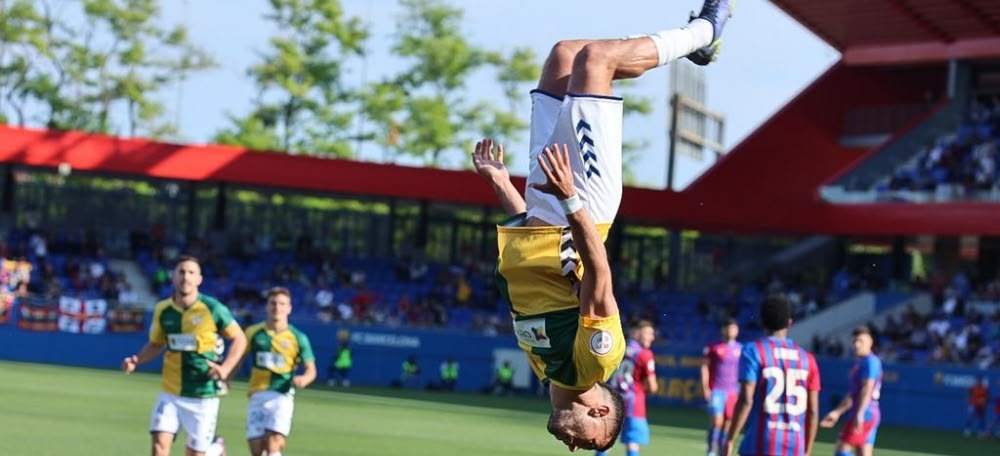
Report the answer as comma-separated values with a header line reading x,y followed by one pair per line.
x,y
532,333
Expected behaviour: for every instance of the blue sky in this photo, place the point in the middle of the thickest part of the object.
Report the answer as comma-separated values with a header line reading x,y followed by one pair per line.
x,y
767,58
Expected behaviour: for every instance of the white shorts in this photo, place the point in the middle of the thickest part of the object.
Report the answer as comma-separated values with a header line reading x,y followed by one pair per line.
x,y
269,411
591,125
197,415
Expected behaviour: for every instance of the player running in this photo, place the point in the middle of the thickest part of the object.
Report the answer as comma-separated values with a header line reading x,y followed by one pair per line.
x,y
276,350
861,405
635,378
567,321
779,393
720,383
187,326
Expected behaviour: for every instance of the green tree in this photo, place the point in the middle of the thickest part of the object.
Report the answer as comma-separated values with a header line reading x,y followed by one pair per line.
x,y
101,72
633,146
438,112
304,105
20,31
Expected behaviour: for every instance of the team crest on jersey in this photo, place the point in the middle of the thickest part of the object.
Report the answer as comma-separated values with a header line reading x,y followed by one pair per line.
x,y
601,342
195,320
284,344
532,333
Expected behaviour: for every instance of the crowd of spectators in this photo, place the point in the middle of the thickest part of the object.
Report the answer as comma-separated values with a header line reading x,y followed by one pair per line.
x,y
329,287
963,327
51,265
964,163
409,290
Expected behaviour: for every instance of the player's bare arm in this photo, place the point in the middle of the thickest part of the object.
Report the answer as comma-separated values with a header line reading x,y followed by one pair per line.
x,y
237,348
864,398
830,420
307,377
812,420
705,389
740,414
597,298
488,161
651,384
149,352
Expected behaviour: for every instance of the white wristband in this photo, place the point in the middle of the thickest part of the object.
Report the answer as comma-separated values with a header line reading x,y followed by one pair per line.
x,y
571,204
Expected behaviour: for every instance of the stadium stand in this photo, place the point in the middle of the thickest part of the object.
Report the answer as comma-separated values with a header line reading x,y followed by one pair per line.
x,y
961,165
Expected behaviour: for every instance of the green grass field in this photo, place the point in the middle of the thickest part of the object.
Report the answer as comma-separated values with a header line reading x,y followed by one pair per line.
x,y
51,410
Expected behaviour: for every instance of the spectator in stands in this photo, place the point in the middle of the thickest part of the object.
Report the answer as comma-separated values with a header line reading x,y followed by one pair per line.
x,y
324,295
127,296
39,246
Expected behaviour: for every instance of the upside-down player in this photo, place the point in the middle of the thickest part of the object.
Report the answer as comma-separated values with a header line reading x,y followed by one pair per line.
x,y
720,383
779,390
861,404
567,321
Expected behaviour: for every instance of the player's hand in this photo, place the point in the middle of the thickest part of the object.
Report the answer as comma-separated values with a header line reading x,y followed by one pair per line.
x,y
299,382
830,420
708,395
488,161
859,423
217,371
558,172
130,363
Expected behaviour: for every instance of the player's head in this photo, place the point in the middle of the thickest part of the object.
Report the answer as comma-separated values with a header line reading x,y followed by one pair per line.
x,y
776,313
729,329
279,304
593,427
863,341
186,275
644,333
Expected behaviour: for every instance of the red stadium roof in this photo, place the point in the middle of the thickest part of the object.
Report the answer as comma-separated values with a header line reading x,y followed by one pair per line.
x,y
902,31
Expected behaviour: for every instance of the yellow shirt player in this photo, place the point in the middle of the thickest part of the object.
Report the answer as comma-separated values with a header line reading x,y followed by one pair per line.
x,y
187,326
575,187
566,322
276,350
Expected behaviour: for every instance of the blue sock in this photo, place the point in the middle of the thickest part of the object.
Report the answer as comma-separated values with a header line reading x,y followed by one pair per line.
x,y
631,452
843,453
723,436
713,440
600,453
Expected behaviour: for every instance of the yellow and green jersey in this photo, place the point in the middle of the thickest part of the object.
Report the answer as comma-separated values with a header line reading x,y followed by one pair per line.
x,y
190,336
275,356
538,272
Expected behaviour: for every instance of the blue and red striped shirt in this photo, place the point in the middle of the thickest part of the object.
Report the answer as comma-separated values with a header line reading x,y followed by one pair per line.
x,y
784,373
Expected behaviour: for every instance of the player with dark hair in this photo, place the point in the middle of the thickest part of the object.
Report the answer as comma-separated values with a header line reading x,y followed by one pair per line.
x,y
861,405
779,395
277,350
567,321
635,378
187,326
720,382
